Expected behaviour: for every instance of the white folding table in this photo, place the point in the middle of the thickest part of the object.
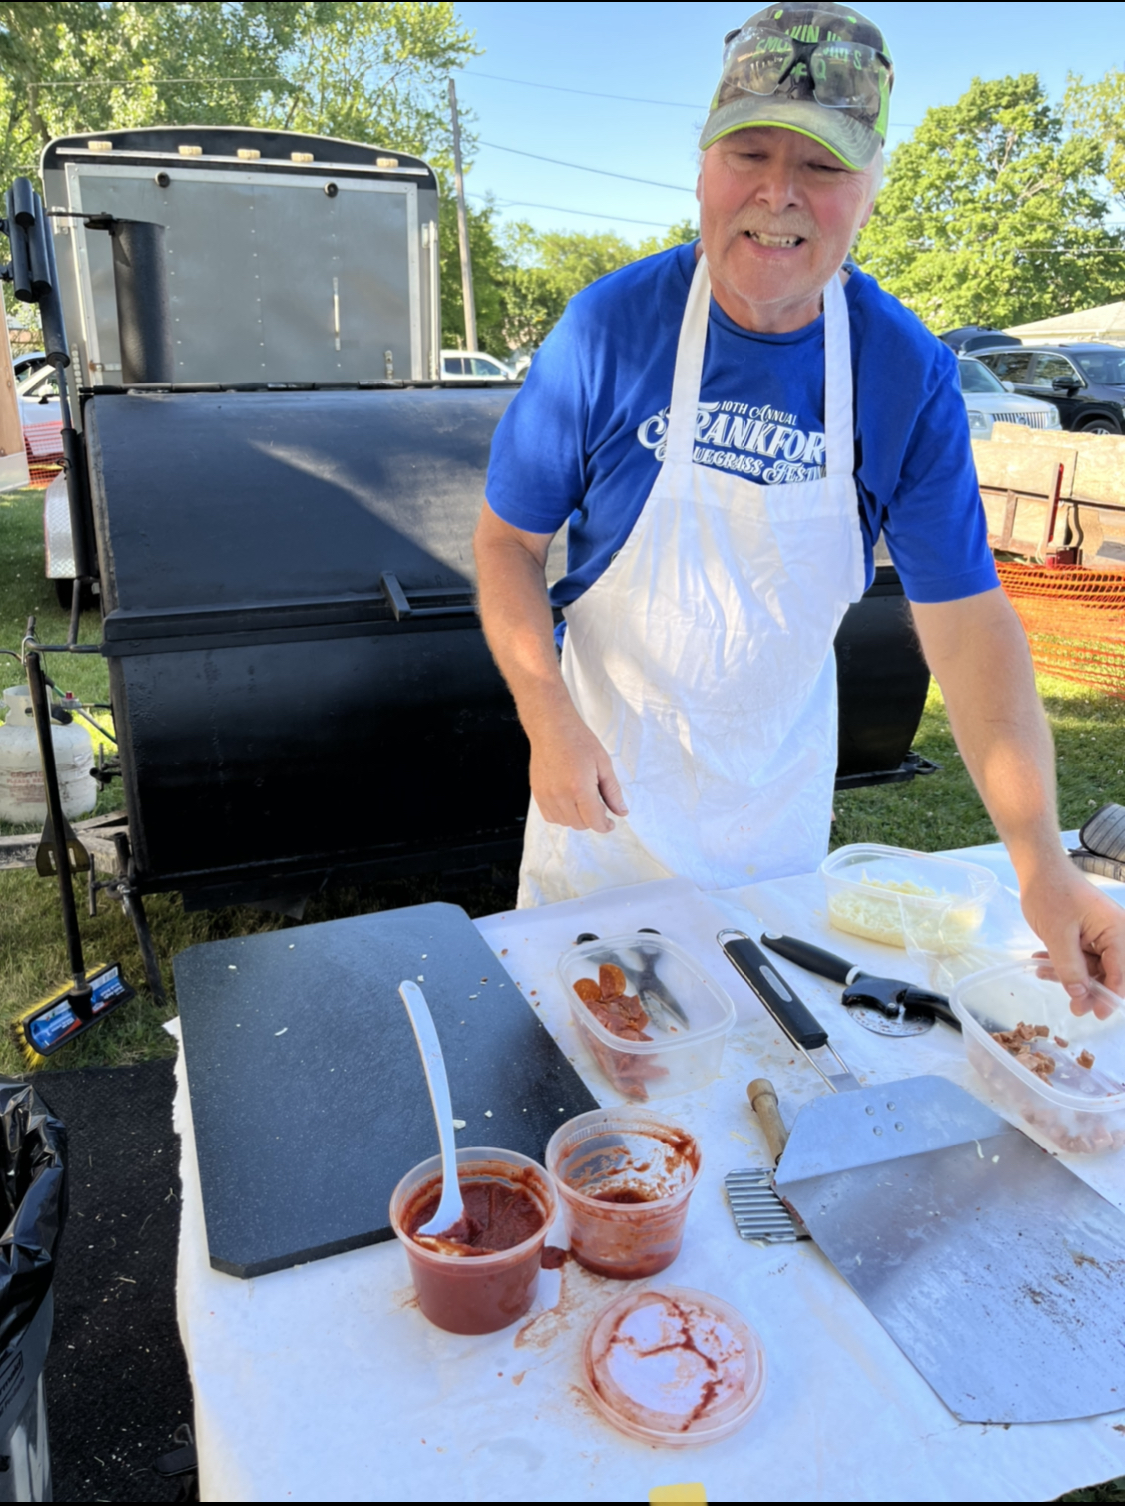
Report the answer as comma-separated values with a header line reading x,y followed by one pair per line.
x,y
326,1383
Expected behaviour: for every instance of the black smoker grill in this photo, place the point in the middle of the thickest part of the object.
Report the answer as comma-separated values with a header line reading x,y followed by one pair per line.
x,y
298,674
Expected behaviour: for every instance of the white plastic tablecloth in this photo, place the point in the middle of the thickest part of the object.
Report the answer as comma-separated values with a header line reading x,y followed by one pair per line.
x,y
326,1383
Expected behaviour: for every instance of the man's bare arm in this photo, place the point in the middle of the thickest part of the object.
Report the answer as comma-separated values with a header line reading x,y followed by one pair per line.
x,y
978,653
572,777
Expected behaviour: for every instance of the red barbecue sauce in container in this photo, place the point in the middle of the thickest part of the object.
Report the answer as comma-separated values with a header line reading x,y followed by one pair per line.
x,y
486,1276
625,1178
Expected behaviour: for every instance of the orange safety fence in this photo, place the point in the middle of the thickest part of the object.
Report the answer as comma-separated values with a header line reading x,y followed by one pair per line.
x,y
1074,620
43,443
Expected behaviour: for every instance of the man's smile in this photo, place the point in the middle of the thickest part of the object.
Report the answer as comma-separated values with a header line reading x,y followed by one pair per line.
x,y
774,242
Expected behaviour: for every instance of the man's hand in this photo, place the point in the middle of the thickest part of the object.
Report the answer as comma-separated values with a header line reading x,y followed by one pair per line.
x,y
572,778
1084,932
978,653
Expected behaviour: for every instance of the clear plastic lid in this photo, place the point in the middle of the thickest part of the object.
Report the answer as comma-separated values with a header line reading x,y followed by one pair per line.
x,y
675,1366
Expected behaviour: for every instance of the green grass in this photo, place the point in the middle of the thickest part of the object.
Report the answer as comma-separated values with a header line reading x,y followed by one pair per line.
x,y
941,811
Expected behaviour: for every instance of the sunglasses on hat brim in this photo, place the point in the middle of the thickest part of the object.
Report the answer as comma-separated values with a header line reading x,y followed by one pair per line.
x,y
838,74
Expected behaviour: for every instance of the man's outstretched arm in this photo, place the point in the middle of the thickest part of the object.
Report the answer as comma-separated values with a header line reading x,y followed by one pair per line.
x,y
978,653
572,777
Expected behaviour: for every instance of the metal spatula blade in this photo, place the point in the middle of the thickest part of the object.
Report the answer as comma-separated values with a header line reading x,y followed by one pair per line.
x,y
759,1214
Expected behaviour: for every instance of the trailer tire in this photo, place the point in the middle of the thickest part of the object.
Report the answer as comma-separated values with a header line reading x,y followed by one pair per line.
x,y
64,590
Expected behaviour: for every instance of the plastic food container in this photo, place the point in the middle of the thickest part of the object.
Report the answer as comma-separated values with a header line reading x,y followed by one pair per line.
x,y
674,1366
905,898
625,1178
478,1293
1076,1108
678,1057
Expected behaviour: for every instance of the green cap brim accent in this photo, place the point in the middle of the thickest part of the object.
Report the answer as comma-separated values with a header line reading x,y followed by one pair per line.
x,y
856,145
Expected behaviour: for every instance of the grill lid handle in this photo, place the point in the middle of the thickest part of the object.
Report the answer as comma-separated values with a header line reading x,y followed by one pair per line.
x,y
396,596
440,601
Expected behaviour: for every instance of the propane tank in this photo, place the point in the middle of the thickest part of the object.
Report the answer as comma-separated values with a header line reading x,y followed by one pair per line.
x,y
22,797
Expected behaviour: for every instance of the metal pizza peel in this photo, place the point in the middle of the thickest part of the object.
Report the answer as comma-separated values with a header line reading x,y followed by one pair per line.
x,y
998,1272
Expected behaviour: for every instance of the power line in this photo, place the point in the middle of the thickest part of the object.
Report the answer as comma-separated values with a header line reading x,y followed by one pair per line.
x,y
580,167
628,99
234,78
591,214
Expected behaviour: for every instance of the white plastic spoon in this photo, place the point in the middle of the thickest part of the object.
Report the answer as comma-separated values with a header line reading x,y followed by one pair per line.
x,y
450,1209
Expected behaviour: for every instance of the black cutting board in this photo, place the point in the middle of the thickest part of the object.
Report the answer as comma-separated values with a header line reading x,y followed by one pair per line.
x,y
307,1092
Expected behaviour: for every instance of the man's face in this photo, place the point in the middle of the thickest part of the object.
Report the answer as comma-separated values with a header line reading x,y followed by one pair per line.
x,y
778,215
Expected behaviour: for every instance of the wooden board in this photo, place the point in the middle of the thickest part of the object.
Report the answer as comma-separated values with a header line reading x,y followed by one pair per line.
x,y
13,455
1095,474
1025,468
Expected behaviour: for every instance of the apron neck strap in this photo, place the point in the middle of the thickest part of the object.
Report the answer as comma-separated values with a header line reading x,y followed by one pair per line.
x,y
688,378
839,427
839,413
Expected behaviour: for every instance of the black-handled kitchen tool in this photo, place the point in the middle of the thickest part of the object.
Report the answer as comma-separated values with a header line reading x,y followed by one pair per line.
x,y
799,1023
888,1006
759,1214
814,958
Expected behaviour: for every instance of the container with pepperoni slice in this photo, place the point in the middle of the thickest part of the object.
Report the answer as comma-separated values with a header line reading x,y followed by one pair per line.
x,y
652,1021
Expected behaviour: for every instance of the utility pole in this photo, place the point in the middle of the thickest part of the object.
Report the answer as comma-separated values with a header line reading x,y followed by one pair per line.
x,y
463,229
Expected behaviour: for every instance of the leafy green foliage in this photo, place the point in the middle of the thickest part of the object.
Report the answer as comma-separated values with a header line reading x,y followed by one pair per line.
x,y
523,279
370,72
1098,110
993,214
490,268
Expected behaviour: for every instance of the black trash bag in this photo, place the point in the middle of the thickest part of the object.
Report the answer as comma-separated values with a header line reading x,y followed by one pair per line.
x,y
33,1204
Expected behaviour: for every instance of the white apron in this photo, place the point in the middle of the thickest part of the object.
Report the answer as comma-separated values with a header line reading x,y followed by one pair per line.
x,y
702,658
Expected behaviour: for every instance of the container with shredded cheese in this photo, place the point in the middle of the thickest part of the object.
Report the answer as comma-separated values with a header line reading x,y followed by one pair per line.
x,y
905,898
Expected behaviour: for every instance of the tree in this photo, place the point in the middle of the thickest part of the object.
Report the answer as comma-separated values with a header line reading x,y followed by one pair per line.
x,y
370,72
992,214
490,274
546,269
1098,110
374,72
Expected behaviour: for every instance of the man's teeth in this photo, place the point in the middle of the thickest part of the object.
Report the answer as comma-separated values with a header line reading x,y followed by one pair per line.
x,y
774,240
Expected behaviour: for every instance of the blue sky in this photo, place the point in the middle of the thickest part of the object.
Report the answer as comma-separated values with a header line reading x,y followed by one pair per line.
x,y
672,53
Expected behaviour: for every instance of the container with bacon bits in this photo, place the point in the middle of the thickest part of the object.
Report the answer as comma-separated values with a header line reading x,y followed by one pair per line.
x,y
1062,1073
653,1022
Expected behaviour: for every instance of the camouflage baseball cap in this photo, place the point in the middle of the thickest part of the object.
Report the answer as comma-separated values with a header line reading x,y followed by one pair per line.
x,y
822,70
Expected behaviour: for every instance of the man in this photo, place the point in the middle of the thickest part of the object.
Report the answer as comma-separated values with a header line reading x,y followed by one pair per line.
x,y
728,428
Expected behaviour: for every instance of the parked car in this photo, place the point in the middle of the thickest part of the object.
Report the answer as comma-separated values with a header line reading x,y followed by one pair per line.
x,y
971,337
38,395
41,414
988,400
1086,383
23,366
474,366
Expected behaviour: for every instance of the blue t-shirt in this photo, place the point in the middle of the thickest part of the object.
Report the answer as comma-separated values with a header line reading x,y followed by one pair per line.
x,y
582,440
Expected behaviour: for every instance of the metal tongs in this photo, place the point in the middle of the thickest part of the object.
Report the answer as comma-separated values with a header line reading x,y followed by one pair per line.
x,y
653,995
